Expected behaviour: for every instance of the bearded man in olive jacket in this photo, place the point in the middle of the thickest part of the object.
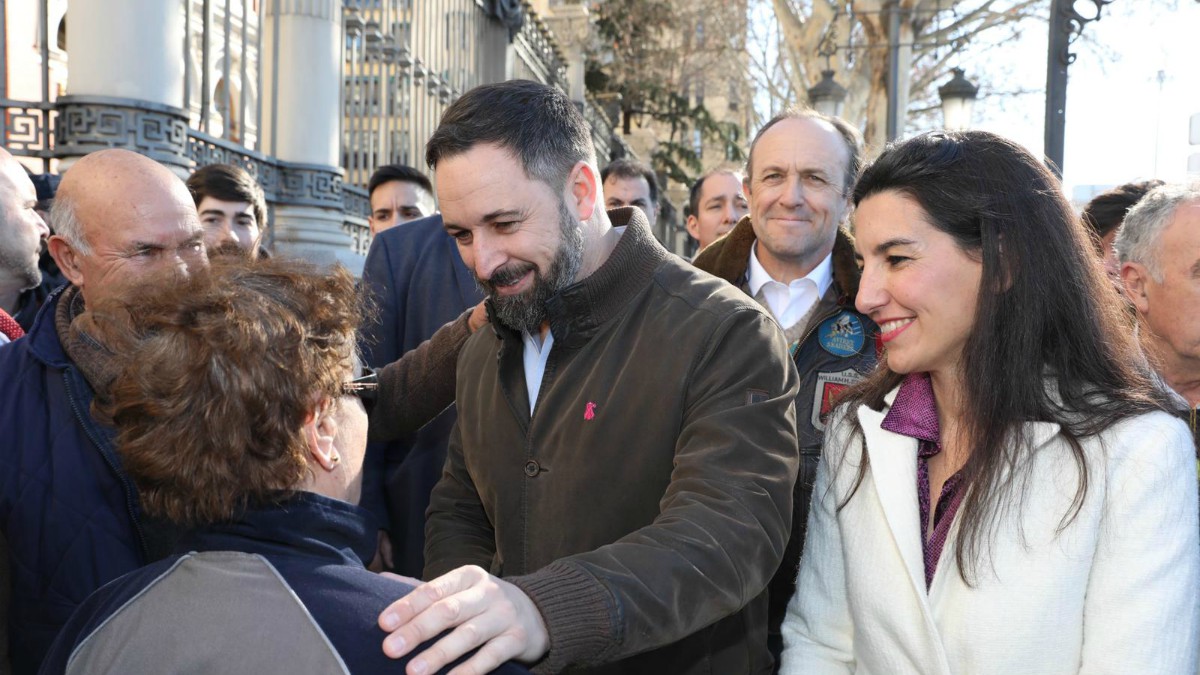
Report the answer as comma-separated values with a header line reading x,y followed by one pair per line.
x,y
618,486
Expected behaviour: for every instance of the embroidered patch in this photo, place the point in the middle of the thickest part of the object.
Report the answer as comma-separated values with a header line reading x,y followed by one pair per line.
x,y
589,411
841,334
825,394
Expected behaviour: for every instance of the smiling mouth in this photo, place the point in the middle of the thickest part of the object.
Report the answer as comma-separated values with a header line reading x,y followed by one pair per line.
x,y
512,287
890,329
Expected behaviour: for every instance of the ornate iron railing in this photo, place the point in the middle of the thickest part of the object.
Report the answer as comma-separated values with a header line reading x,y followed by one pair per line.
x,y
538,56
609,145
405,61
26,129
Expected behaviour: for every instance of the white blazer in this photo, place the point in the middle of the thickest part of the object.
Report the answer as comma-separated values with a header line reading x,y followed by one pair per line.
x,y
1116,591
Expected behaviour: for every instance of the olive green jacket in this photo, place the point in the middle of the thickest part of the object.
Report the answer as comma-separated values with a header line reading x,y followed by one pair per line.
x,y
645,503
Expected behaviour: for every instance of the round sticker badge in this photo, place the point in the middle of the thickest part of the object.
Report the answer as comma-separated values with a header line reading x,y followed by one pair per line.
x,y
841,334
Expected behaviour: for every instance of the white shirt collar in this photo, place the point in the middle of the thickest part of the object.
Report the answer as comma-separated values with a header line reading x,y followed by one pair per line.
x,y
535,355
821,275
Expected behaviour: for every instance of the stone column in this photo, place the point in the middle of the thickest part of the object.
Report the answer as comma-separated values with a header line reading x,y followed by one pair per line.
x,y
126,83
569,23
302,76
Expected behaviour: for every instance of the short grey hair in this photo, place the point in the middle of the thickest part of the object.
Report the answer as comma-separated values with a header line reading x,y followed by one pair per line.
x,y
1138,239
65,223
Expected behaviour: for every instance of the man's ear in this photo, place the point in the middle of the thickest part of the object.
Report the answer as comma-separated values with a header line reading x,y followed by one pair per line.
x,y
693,227
1134,277
584,189
67,259
746,187
320,430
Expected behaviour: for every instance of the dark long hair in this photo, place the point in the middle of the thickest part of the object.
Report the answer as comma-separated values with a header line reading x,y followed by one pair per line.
x,y
1047,343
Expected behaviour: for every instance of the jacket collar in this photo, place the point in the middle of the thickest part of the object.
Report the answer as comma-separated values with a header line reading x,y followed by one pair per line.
x,y
729,256
579,310
893,461
44,341
302,523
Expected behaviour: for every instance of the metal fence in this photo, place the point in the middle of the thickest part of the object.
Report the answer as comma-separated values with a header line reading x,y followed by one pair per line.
x,y
405,61
26,126
538,57
609,145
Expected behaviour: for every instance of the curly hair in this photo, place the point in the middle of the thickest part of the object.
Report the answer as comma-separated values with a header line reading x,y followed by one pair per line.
x,y
218,374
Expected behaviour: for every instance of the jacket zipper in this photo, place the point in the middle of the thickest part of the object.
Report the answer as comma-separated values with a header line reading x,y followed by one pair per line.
x,y
124,480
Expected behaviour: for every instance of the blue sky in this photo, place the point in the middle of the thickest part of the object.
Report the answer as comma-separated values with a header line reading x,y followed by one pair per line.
x,y
1121,124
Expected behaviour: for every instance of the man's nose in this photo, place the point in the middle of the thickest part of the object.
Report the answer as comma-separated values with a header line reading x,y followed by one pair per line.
x,y
227,236
487,256
793,191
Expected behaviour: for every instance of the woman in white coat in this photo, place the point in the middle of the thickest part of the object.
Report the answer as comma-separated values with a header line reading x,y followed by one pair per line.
x,y
1005,494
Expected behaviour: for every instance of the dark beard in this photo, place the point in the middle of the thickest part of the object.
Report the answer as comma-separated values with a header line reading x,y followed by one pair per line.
x,y
526,312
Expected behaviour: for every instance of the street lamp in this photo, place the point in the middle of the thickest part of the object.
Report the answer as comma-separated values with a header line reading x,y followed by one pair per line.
x,y
827,96
1066,24
958,101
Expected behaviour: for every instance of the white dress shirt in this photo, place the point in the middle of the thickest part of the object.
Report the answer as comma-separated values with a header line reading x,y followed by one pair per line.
x,y
535,354
790,302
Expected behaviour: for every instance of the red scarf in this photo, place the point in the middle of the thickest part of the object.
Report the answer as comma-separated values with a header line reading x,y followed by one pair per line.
x,y
9,326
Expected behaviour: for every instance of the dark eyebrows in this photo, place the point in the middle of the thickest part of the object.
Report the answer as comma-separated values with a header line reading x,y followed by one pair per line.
x,y
502,214
882,248
219,212
490,217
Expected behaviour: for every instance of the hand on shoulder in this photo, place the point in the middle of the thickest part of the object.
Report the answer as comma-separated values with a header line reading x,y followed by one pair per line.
x,y
480,611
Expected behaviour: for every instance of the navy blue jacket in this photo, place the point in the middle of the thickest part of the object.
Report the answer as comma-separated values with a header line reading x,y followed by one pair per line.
x,y
280,589
418,282
30,300
67,510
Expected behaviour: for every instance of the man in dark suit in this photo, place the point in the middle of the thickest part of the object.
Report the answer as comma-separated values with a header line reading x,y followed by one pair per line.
x,y
418,282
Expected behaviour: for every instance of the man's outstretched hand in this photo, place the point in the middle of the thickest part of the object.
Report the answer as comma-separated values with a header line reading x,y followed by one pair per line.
x,y
480,610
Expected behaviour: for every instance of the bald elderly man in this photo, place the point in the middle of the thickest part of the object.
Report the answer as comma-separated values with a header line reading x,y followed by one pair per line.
x,y
68,512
